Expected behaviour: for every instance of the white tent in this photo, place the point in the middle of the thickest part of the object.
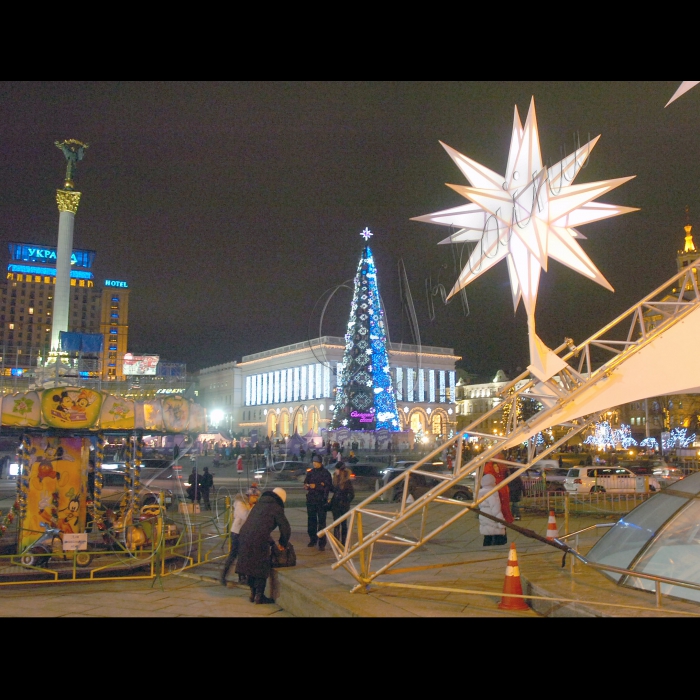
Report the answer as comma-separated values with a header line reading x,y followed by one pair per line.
x,y
216,437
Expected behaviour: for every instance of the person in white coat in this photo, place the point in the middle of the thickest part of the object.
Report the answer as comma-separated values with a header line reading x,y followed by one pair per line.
x,y
494,533
242,503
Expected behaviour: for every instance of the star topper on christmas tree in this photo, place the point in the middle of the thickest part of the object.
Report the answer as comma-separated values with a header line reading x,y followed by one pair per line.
x,y
366,234
527,217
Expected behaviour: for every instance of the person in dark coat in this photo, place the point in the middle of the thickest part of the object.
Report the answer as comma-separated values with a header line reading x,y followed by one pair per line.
x,y
255,539
318,484
516,493
193,490
206,482
343,495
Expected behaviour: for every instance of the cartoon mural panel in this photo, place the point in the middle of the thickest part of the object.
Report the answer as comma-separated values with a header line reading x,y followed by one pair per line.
x,y
21,409
117,414
71,407
57,486
176,414
153,415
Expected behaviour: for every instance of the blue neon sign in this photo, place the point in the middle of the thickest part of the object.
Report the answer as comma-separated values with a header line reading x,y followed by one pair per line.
x,y
47,271
115,283
29,252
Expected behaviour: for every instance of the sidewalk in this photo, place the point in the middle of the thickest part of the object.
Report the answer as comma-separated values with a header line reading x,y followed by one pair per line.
x,y
454,562
456,559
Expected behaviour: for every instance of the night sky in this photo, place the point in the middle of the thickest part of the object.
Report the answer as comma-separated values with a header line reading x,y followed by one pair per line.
x,y
231,208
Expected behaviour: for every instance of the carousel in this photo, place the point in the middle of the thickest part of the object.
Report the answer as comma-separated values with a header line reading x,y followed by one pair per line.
x,y
61,433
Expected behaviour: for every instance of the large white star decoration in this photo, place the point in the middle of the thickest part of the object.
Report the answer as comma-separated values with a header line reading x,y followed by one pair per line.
x,y
682,89
366,233
526,217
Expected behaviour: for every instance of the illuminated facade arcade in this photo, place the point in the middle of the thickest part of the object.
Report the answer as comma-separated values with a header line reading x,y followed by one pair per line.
x,y
292,389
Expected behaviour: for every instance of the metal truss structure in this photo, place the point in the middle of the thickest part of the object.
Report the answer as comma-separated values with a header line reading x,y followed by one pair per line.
x,y
641,354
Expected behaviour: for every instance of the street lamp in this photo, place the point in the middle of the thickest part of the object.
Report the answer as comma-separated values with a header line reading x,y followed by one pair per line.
x,y
217,415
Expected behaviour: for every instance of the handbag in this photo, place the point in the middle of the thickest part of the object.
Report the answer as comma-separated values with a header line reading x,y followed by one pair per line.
x,y
281,558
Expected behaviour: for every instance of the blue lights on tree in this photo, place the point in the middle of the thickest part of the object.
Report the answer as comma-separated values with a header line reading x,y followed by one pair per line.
x,y
365,398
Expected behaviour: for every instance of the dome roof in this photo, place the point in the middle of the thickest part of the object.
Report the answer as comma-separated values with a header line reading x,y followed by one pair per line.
x,y
661,537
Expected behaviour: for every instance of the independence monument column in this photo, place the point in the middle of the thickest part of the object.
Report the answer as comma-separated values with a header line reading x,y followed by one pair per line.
x,y
67,200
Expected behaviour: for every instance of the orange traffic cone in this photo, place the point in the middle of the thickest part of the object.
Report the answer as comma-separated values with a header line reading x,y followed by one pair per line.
x,y
552,529
512,584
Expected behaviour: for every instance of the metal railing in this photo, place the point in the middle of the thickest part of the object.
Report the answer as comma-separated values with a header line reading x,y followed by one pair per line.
x,y
623,337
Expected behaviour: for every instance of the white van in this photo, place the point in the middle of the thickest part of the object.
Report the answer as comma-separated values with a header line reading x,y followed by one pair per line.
x,y
607,479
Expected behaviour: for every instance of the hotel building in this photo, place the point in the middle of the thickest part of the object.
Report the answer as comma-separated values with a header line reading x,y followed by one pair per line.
x,y
27,307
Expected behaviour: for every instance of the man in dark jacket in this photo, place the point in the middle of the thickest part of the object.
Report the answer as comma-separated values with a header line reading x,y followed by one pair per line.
x,y
516,493
206,482
255,539
318,484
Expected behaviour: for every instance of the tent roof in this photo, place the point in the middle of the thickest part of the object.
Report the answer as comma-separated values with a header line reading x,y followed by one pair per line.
x,y
212,436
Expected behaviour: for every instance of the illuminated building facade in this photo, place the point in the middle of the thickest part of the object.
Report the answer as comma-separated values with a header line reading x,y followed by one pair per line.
x,y
27,307
292,389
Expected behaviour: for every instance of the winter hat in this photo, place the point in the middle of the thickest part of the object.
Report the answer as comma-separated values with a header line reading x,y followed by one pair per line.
x,y
317,458
488,480
281,493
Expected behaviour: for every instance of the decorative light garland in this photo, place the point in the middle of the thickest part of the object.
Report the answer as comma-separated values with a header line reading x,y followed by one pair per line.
x,y
605,436
97,510
678,438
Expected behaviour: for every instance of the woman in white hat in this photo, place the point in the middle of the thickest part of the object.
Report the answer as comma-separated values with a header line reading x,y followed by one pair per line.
x,y
242,503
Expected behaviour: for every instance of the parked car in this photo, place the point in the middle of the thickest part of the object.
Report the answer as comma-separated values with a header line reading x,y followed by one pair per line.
x,y
554,476
289,469
434,466
664,473
420,484
366,476
611,479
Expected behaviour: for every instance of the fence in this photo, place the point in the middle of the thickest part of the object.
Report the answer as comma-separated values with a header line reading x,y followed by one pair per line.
x,y
160,544
582,503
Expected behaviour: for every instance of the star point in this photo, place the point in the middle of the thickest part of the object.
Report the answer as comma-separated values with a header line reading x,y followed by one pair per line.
x,y
366,233
527,217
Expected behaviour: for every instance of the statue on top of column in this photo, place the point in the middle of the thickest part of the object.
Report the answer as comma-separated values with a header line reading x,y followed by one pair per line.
x,y
73,151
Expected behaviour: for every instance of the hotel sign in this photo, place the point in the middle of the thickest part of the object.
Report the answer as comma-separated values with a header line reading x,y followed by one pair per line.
x,y
115,283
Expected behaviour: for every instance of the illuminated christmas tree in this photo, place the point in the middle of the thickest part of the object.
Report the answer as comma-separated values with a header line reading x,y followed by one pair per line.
x,y
365,397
